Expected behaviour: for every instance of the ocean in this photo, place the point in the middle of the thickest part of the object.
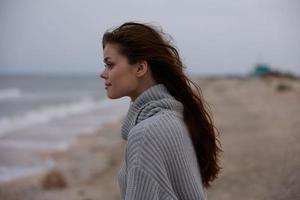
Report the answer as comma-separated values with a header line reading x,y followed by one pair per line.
x,y
39,112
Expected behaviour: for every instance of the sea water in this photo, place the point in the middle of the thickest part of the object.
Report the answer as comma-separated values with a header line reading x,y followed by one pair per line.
x,y
39,112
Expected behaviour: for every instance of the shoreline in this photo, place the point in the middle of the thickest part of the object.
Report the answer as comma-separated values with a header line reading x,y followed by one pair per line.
x,y
84,175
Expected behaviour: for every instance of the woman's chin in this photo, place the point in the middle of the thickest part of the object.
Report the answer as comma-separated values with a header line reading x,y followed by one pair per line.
x,y
112,96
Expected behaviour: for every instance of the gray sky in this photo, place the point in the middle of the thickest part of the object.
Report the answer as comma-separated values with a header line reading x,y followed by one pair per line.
x,y
213,36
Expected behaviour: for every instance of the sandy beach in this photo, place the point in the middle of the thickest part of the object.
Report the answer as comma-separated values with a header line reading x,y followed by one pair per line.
x,y
259,126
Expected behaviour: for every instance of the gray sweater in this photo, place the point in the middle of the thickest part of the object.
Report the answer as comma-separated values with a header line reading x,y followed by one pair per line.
x,y
160,161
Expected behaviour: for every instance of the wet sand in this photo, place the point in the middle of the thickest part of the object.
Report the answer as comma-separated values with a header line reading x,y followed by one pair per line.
x,y
259,127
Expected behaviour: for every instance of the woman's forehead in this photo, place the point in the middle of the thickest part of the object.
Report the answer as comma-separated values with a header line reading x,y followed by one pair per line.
x,y
110,52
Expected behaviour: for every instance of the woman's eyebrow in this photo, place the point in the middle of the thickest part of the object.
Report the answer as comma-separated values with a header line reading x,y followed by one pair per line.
x,y
106,59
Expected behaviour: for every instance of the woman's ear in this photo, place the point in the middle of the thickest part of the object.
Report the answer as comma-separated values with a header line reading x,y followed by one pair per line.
x,y
142,68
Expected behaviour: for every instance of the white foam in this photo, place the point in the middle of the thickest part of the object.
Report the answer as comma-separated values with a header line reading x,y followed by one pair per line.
x,y
10,93
34,145
61,111
13,172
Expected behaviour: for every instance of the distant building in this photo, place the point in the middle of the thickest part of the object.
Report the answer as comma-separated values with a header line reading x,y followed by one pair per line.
x,y
261,69
265,70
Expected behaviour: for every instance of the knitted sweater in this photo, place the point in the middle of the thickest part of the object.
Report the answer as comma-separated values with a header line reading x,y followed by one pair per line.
x,y
160,161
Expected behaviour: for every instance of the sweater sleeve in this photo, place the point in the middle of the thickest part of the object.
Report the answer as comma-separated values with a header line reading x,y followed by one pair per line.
x,y
140,185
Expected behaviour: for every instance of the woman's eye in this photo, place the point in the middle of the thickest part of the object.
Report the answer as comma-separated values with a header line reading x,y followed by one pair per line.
x,y
108,66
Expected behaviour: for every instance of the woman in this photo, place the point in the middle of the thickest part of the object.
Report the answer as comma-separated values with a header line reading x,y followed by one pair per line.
x,y
171,150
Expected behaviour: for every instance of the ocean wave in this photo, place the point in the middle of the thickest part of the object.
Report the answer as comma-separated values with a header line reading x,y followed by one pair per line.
x,y
10,93
13,172
50,113
34,145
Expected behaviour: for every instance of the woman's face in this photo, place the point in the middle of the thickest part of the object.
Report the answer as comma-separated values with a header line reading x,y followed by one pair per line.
x,y
119,76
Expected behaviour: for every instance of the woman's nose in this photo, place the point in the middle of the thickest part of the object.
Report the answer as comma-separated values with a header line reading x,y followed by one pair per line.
x,y
103,74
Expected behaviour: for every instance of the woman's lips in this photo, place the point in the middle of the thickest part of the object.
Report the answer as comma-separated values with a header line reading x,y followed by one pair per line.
x,y
107,85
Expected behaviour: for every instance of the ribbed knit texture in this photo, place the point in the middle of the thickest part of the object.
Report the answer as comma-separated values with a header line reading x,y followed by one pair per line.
x,y
160,161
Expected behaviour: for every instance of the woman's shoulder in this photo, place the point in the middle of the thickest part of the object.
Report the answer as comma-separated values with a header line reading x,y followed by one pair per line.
x,y
164,128
164,121
161,135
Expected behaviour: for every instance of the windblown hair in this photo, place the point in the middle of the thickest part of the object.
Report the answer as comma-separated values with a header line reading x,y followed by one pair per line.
x,y
141,41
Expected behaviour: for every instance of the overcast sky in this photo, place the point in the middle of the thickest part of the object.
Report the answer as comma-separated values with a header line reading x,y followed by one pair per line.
x,y
213,36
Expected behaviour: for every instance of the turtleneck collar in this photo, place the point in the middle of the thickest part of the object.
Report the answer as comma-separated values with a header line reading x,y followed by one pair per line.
x,y
147,104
